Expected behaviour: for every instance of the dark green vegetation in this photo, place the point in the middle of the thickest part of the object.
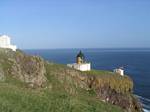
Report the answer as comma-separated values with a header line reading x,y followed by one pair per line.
x,y
30,84
16,99
115,81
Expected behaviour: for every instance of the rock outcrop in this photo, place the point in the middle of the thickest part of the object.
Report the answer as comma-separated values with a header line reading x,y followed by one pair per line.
x,y
108,87
2,76
37,73
28,69
114,89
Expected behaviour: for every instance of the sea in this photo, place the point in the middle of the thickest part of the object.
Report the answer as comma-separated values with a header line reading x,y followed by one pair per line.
x,y
136,63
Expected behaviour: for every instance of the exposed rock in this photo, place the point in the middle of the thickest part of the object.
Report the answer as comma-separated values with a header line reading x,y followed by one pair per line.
x,y
113,89
116,90
35,72
28,69
2,76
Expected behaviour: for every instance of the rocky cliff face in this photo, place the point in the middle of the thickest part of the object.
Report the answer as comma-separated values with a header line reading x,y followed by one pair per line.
x,y
108,87
37,73
28,69
114,89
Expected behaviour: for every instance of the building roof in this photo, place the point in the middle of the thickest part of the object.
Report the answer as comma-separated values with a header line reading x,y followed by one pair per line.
x,y
80,54
4,36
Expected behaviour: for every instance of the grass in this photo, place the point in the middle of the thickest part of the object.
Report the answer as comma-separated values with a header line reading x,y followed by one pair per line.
x,y
16,99
15,96
121,84
99,72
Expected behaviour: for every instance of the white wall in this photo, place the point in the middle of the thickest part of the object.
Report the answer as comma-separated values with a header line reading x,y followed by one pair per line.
x,y
119,71
5,43
85,67
81,67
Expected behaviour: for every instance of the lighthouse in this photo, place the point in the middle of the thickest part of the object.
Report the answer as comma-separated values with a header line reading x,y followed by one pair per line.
x,y
80,58
81,63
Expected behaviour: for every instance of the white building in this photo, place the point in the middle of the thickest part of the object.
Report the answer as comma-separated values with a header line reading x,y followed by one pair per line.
x,y
5,42
119,71
81,67
80,63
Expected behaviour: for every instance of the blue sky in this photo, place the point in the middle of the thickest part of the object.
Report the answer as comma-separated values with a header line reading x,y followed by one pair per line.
x,y
34,24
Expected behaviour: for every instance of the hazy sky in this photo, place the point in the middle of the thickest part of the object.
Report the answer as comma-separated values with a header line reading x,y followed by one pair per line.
x,y
76,23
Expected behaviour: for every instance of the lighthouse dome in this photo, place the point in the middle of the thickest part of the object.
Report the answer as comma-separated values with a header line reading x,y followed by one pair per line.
x,y
81,55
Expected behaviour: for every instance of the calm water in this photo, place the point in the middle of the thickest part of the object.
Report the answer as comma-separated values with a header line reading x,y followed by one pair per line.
x,y
136,63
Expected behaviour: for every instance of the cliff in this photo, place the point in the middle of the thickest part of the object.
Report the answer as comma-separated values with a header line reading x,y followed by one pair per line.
x,y
29,83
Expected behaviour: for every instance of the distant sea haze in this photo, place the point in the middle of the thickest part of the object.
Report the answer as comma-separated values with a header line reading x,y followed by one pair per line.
x,y
135,62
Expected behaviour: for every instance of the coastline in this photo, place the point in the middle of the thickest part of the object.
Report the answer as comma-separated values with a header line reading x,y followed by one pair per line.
x,y
102,59
146,108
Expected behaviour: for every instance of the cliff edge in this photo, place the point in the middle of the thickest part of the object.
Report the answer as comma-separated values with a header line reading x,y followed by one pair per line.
x,y
29,83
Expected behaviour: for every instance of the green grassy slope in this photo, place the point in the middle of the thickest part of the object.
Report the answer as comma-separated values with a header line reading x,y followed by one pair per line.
x,y
66,90
15,97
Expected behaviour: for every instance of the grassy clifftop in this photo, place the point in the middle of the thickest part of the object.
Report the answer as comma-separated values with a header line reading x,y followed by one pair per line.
x,y
121,84
30,84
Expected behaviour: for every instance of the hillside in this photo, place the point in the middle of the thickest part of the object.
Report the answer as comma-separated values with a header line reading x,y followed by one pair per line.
x,y
31,84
